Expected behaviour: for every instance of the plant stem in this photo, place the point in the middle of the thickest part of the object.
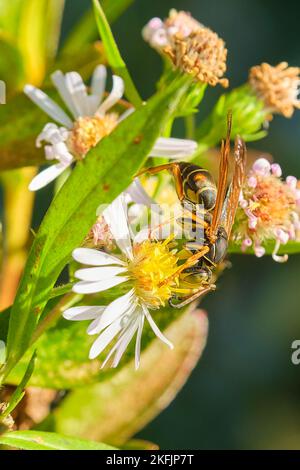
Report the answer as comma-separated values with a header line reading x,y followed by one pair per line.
x,y
190,126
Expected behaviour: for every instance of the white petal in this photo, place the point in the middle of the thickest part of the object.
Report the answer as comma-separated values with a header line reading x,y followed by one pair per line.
x,y
139,195
60,152
83,313
104,339
94,257
48,105
51,133
59,80
78,92
46,176
122,306
138,341
173,148
124,341
155,328
116,217
99,82
99,274
114,96
124,334
84,287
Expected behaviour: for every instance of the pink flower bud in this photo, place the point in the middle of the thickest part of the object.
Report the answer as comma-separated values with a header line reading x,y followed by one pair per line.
x,y
282,236
252,222
291,181
259,251
262,167
252,182
276,170
246,243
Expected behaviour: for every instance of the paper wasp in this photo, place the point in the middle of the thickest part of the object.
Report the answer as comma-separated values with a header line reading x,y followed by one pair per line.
x,y
195,185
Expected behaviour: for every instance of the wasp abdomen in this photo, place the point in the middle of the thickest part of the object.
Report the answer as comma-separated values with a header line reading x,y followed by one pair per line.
x,y
198,185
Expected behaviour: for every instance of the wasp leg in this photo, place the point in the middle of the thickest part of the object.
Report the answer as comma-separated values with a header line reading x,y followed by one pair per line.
x,y
190,262
193,297
174,168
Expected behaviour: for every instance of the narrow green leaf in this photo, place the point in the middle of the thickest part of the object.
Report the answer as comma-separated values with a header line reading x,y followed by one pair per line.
x,y
114,57
86,30
19,392
98,179
38,440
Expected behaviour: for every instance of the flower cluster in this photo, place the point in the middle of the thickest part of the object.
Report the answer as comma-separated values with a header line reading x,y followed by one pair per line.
x,y
268,209
193,48
91,120
149,270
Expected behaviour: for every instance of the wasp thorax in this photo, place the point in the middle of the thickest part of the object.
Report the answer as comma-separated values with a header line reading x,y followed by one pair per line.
x,y
277,87
202,54
88,131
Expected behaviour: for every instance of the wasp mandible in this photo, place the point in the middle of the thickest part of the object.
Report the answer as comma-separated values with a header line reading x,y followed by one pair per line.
x,y
195,185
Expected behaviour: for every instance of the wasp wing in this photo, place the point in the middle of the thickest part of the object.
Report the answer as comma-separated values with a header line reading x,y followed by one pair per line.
x,y
234,190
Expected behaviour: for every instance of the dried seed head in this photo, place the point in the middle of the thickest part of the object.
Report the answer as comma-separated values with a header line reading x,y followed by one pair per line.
x,y
182,23
202,54
278,87
100,236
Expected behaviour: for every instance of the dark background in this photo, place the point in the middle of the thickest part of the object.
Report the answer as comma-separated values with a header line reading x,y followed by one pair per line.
x,y
245,392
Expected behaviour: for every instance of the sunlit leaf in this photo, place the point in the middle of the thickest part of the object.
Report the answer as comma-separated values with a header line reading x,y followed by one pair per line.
x,y
35,440
108,166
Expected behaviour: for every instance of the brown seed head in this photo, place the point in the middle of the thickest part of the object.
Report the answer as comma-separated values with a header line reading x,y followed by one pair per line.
x,y
277,87
202,54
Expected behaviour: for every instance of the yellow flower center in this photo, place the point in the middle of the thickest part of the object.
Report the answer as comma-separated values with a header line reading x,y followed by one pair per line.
x,y
88,131
153,272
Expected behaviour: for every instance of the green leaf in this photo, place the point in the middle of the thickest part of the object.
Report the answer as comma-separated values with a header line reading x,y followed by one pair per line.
x,y
291,248
105,172
86,30
135,397
114,57
38,440
33,28
19,392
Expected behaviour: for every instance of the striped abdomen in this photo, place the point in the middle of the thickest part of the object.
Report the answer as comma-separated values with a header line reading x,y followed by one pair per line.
x,y
198,185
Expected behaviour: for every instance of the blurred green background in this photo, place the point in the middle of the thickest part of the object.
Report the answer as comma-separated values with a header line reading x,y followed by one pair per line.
x,y
245,392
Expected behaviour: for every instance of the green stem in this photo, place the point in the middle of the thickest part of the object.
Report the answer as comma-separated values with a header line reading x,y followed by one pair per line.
x,y
190,126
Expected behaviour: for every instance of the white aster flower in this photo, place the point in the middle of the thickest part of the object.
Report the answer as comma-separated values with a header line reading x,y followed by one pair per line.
x,y
148,269
89,121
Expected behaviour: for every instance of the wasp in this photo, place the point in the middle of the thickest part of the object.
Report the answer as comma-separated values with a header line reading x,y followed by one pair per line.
x,y
195,186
